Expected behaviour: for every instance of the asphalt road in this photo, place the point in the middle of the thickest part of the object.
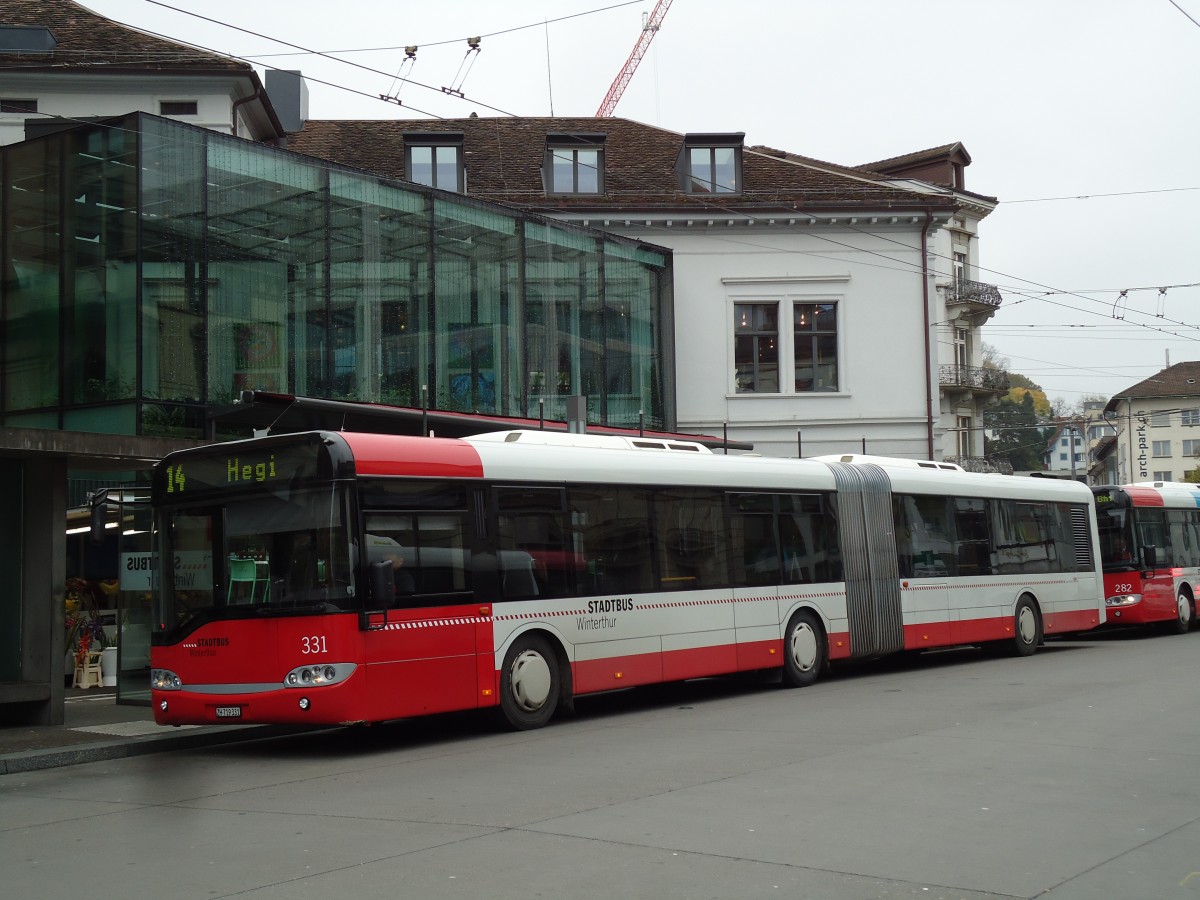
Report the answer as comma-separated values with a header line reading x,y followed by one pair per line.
x,y
1071,774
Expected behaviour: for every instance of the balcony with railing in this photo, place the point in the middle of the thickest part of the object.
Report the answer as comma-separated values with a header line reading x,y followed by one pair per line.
x,y
978,298
973,379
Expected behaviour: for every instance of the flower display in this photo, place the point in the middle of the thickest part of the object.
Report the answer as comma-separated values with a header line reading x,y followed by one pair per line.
x,y
82,620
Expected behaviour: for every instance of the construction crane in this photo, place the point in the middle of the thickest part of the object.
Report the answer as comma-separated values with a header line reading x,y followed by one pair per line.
x,y
649,29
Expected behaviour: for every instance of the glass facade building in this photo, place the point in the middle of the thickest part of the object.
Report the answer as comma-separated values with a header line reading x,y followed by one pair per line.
x,y
153,270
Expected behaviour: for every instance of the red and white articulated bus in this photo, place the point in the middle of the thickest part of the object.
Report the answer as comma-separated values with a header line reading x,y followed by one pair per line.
x,y
1150,551
327,578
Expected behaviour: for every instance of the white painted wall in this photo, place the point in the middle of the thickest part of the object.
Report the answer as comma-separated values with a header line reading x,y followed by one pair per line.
x,y
1140,426
92,96
882,392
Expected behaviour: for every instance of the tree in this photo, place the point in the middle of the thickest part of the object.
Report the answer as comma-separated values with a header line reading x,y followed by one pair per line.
x,y
1017,394
1015,432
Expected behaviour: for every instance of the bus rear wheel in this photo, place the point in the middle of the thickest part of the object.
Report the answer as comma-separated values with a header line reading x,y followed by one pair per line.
x,y
803,649
1183,613
530,684
1027,628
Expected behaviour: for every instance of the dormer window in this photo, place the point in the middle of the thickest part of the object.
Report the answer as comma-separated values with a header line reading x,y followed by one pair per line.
x,y
435,160
574,164
712,163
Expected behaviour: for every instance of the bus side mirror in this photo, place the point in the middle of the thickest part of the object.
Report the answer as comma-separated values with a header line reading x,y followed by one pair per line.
x,y
1149,558
99,516
383,584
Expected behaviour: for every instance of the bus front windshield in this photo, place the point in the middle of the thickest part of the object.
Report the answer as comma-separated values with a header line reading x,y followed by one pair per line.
x,y
256,555
1117,548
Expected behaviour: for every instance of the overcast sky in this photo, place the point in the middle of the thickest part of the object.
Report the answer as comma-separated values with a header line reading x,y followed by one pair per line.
x,y
1053,99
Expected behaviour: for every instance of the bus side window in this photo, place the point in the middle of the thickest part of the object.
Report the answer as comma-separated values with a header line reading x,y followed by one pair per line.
x,y
971,535
689,524
531,538
611,539
756,558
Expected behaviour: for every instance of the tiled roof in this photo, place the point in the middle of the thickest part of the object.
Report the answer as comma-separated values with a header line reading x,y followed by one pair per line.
x,y
920,156
504,162
86,40
1180,380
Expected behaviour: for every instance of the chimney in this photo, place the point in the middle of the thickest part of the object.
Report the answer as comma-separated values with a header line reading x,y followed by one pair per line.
x,y
288,93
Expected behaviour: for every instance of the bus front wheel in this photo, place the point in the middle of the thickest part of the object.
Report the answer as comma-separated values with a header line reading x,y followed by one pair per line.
x,y
530,683
1183,613
803,649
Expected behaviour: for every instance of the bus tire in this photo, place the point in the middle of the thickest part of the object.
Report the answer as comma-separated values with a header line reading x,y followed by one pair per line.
x,y
803,649
530,683
1184,613
1027,628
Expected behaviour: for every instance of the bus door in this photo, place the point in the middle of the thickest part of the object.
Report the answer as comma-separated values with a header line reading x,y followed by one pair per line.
x,y
1158,580
422,651
925,562
868,548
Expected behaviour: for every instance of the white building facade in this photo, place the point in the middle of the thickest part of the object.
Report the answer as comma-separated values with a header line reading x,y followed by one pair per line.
x,y
1157,423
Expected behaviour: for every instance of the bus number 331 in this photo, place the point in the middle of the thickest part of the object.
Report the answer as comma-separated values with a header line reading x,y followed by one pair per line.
x,y
313,644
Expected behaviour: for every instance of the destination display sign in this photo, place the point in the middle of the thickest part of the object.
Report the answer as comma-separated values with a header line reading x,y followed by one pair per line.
x,y
238,467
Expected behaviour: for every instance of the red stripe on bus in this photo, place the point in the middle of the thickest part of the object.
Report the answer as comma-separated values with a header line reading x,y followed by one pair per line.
x,y
391,454
1144,496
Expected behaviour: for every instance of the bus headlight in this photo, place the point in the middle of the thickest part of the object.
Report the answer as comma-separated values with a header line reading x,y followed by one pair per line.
x,y
1120,600
318,675
165,680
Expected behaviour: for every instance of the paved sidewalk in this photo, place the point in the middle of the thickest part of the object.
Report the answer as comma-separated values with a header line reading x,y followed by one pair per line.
x,y
98,728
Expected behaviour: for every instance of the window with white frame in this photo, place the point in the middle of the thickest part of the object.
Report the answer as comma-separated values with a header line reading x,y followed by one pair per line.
x,y
434,160
1160,419
815,339
771,358
964,436
756,348
1189,416
1162,476
1160,448
1191,448
962,346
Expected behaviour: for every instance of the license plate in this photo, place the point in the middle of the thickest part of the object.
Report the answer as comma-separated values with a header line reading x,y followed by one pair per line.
x,y
229,712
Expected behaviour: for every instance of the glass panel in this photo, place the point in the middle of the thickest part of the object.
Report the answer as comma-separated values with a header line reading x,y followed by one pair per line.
x,y
266,234
267,552
588,171
612,535
756,347
446,176
725,170
692,550
380,339
561,172
700,170
477,283
102,419
31,325
101,229
816,346
420,169
564,322
923,537
531,538
633,340
174,292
